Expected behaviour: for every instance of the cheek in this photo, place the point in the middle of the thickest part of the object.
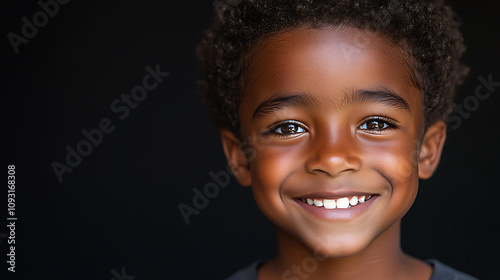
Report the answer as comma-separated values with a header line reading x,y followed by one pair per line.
x,y
397,159
398,164
269,169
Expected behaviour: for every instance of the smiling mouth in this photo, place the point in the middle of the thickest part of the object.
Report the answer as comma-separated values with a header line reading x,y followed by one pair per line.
x,y
337,203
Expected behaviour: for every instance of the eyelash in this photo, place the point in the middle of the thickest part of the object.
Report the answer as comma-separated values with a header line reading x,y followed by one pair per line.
x,y
391,124
272,129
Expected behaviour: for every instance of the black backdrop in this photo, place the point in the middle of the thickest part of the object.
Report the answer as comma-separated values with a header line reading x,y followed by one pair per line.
x,y
116,213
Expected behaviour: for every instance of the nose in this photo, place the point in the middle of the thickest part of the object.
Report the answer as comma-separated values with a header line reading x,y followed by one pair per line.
x,y
333,151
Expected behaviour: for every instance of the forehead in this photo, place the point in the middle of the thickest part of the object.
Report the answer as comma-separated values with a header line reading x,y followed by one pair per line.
x,y
326,63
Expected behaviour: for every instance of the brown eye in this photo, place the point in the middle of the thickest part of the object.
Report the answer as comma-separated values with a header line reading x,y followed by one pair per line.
x,y
288,128
378,125
375,125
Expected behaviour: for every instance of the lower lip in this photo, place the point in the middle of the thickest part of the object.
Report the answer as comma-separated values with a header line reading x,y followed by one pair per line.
x,y
337,213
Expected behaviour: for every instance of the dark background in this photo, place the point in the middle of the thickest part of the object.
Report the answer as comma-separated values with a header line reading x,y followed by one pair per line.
x,y
119,207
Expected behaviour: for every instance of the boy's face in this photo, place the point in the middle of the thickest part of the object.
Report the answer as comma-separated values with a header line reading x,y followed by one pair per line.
x,y
331,114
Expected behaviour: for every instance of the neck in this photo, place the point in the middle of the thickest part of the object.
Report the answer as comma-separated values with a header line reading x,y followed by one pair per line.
x,y
382,259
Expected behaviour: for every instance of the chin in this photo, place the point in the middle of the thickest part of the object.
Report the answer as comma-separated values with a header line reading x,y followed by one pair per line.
x,y
340,251
336,247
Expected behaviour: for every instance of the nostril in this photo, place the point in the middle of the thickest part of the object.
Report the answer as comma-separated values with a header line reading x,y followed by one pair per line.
x,y
333,165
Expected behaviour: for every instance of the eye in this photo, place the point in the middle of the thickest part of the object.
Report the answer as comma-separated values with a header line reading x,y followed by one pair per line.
x,y
286,128
378,124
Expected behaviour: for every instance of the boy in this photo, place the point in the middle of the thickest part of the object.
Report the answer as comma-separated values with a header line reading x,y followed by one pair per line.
x,y
331,111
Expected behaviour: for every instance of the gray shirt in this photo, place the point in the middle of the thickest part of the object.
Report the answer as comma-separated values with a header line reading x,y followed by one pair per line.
x,y
440,272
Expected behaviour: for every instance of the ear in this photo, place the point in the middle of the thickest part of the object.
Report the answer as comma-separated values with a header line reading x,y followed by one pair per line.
x,y
431,148
236,157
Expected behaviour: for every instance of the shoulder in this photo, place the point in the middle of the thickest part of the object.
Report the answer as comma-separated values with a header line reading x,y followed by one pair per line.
x,y
444,272
247,273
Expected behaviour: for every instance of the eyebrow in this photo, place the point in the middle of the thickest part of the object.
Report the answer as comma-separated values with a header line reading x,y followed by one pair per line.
x,y
382,96
275,104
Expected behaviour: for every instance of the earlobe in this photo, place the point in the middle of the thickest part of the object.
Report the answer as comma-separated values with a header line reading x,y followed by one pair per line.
x,y
236,157
431,148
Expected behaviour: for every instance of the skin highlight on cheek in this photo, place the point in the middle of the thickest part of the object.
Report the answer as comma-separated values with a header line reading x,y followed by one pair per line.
x,y
407,165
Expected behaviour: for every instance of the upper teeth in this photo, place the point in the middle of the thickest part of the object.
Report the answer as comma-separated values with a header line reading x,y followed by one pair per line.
x,y
343,202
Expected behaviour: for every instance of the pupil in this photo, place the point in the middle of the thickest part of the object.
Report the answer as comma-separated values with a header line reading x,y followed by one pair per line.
x,y
289,128
374,125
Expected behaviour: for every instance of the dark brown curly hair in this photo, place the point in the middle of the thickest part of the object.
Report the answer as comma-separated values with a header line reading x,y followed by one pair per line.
x,y
427,30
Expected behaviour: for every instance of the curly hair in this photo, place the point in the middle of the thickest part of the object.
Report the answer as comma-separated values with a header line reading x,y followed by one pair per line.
x,y
427,30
